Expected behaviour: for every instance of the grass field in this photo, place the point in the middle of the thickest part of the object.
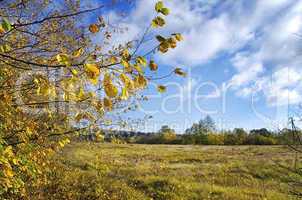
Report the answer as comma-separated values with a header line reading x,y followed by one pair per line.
x,y
110,171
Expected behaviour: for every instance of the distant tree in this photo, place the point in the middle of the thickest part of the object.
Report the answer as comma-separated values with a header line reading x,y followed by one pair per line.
x,y
229,138
204,126
201,138
208,124
262,131
240,136
167,135
165,128
261,137
193,129
200,130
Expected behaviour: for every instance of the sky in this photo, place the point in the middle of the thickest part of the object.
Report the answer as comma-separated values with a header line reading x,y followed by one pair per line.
x,y
242,58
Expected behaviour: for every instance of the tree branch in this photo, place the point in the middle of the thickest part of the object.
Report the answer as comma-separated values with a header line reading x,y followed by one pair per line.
x,y
58,17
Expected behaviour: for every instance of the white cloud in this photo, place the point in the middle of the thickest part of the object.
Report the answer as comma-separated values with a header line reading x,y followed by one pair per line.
x,y
201,44
276,49
248,67
283,87
286,77
205,35
247,76
259,35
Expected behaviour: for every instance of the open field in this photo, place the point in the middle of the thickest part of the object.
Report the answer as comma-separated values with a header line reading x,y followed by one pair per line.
x,y
110,171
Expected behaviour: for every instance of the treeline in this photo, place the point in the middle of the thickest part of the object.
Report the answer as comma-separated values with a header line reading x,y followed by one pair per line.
x,y
237,136
205,132
202,133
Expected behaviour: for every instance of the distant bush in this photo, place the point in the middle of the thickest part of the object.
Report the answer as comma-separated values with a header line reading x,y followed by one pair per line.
x,y
215,139
261,140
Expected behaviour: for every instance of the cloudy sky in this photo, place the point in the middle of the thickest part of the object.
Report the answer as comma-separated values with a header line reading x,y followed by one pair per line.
x,y
242,57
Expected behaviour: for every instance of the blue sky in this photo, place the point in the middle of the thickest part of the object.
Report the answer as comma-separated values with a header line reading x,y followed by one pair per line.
x,y
242,57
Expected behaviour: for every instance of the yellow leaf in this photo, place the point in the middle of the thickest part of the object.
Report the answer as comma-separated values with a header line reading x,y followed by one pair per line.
x,y
141,61
107,103
128,83
94,28
178,36
172,42
15,161
78,52
81,94
85,115
160,38
38,91
140,81
74,72
63,59
93,72
78,117
67,141
179,72
113,60
159,5
124,78
124,94
164,46
125,54
126,65
36,81
161,88
107,79
153,66
165,11
110,90
99,106
8,172
61,144
138,68
66,96
158,22
92,68
2,30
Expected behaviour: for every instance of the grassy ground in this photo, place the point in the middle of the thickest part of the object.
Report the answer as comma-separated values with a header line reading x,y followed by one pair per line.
x,y
109,171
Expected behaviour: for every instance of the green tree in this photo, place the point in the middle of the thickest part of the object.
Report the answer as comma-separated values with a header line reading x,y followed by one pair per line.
x,y
207,124
200,130
240,135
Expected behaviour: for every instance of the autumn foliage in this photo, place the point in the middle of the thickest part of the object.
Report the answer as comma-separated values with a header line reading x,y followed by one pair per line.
x,y
50,69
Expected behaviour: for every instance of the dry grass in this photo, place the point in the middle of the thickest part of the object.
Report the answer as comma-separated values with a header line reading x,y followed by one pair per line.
x,y
110,171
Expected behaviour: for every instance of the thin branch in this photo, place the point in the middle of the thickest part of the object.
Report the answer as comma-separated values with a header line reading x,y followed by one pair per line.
x,y
37,64
50,135
58,17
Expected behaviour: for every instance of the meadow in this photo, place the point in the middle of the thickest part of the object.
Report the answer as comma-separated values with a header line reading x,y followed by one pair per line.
x,y
176,172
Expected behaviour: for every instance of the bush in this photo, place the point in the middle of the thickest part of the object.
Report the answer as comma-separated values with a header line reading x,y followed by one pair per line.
x,y
215,139
261,140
